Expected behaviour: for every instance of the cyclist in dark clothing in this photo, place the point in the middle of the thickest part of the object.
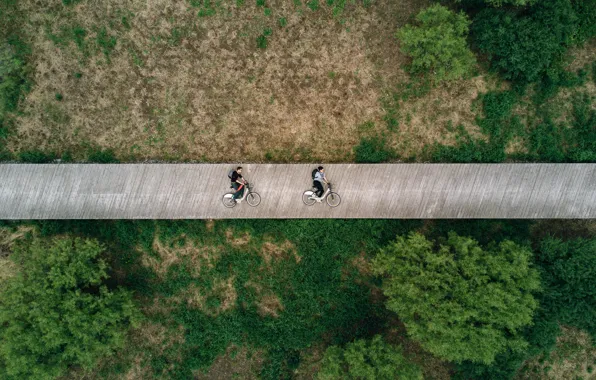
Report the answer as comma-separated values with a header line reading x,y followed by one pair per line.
x,y
238,183
319,180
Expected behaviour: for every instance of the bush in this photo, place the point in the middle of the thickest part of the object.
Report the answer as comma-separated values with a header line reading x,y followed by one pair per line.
x,y
101,156
460,301
58,312
372,150
367,360
569,269
526,45
586,14
36,157
561,142
437,45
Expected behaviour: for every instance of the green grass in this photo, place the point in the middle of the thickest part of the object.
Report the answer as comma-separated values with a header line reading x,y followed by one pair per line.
x,y
372,150
326,298
262,38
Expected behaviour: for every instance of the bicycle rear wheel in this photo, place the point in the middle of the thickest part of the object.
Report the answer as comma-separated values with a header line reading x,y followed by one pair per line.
x,y
307,198
228,200
253,199
333,199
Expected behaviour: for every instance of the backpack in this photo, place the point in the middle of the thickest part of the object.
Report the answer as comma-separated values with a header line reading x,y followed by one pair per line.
x,y
314,173
230,174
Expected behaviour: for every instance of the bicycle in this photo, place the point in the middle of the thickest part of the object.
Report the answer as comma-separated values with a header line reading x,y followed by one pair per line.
x,y
333,199
253,199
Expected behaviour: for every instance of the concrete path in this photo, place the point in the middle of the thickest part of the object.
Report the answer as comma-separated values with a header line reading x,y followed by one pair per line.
x,y
194,191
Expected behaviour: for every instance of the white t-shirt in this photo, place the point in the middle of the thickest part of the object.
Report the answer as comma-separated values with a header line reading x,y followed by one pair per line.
x,y
319,177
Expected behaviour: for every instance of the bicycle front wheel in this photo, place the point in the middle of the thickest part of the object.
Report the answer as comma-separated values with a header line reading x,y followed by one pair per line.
x,y
253,199
333,199
307,198
228,200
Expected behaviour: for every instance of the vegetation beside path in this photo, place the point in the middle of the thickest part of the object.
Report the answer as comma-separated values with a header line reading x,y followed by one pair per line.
x,y
302,298
239,81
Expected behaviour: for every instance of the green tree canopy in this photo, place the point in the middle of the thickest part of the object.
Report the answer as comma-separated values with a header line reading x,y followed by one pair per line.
x,y
519,3
57,312
367,360
525,45
460,301
437,45
570,281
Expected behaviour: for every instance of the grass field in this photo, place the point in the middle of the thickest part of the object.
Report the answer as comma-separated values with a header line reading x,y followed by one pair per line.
x,y
240,80
172,81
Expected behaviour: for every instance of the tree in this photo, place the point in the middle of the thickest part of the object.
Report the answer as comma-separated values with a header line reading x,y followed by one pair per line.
x,y
367,360
527,45
58,312
461,302
569,269
519,3
437,45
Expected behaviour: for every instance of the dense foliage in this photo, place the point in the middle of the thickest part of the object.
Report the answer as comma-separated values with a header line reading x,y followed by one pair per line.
x,y
13,69
367,360
569,270
58,312
526,45
437,44
460,301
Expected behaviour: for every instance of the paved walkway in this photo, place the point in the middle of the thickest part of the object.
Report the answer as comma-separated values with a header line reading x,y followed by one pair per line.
x,y
194,191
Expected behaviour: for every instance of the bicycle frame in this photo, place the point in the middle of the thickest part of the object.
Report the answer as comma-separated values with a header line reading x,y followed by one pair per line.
x,y
247,188
314,196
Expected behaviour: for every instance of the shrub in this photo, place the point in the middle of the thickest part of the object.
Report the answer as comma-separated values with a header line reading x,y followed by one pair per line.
x,y
101,156
570,291
526,45
437,45
58,312
519,3
11,78
558,142
372,150
460,301
367,360
36,156
586,15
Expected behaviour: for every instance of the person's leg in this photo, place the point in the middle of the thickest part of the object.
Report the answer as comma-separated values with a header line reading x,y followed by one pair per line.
x,y
320,189
235,187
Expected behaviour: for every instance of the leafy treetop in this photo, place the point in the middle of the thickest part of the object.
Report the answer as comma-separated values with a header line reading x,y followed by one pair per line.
x,y
437,45
367,360
57,312
461,302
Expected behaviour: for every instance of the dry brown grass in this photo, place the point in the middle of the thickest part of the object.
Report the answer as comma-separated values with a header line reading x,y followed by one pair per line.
x,y
271,251
214,95
573,358
8,238
434,116
236,363
223,292
199,256
237,240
